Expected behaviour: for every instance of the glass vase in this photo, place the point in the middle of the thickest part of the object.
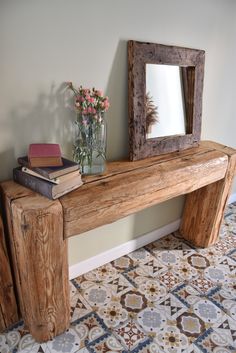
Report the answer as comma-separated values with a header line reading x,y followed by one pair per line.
x,y
90,143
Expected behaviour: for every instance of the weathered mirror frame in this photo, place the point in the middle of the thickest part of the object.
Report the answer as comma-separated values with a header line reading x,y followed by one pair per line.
x,y
191,62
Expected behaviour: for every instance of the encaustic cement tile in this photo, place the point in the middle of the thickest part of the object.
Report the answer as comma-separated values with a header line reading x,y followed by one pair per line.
x,y
105,344
14,342
229,264
186,294
191,325
78,307
232,254
151,268
185,271
130,335
170,307
212,341
207,311
169,242
102,274
203,284
66,342
224,298
171,340
17,340
122,263
223,246
211,254
168,258
89,328
113,314
152,290
140,256
169,279
97,295
218,274
227,329
151,320
119,285
133,301
143,273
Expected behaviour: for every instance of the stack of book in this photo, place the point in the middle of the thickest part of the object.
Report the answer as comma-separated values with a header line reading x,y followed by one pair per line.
x,y
46,172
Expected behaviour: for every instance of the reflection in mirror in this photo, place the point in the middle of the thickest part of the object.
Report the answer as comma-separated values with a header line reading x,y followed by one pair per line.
x,y
165,108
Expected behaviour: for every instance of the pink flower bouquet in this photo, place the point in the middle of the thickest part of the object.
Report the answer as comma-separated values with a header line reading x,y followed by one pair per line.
x,y
90,143
89,101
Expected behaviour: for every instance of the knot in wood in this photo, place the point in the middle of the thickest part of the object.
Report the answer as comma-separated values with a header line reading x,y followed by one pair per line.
x,y
25,227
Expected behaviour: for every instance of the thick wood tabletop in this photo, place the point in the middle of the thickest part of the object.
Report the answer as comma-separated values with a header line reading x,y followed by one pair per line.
x,y
127,187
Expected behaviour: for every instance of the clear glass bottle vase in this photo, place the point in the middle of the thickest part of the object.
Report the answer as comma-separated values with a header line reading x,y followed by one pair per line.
x,y
90,143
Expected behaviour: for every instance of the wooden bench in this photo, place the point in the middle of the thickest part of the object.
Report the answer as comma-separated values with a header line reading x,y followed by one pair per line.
x,y
39,228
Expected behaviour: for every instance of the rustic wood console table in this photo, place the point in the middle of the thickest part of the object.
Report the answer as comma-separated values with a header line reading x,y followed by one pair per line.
x,y
38,228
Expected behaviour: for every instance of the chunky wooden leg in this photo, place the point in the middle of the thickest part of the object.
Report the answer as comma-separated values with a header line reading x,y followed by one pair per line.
x,y
204,208
9,192
42,262
40,256
8,305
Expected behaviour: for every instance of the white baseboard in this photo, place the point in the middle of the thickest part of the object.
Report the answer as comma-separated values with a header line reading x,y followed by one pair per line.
x,y
232,198
121,250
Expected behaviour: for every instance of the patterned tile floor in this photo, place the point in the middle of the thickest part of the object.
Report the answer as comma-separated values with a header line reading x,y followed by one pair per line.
x,y
165,297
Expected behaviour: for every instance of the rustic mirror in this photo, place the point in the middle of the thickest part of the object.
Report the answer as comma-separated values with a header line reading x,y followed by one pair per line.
x,y
165,98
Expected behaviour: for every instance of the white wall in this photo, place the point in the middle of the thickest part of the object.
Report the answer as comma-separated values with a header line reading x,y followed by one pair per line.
x,y
44,43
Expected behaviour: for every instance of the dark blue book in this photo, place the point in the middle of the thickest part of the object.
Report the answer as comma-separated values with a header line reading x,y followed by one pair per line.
x,y
44,187
51,172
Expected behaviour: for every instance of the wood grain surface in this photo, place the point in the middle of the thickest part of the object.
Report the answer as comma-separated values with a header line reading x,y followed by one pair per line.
x,y
8,304
204,208
133,186
123,166
41,256
9,192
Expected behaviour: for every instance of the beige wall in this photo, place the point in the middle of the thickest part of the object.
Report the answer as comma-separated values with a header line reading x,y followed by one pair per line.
x,y
44,43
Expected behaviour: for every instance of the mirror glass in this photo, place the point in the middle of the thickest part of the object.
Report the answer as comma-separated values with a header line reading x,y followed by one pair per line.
x,y
165,108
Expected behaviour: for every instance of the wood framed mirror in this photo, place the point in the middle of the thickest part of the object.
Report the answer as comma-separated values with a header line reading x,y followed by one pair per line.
x,y
165,85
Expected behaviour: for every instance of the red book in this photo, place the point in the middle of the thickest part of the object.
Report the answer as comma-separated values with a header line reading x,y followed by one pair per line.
x,y
44,155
